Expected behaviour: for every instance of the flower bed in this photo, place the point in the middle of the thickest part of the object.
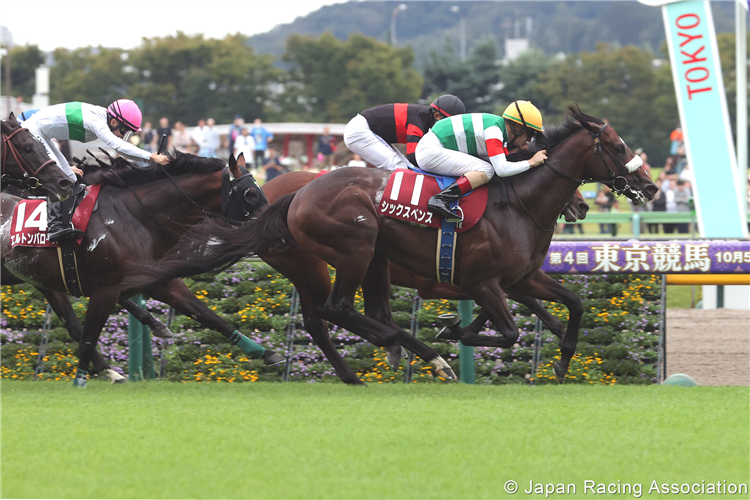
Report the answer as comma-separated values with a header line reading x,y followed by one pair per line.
x,y
617,341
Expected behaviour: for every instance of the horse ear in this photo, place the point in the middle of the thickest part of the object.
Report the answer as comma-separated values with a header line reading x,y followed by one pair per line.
x,y
12,119
234,165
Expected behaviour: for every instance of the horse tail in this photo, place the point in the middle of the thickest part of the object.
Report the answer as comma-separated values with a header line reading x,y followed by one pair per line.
x,y
217,245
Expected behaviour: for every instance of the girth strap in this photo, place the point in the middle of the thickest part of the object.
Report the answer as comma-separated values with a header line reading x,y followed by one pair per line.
x,y
66,255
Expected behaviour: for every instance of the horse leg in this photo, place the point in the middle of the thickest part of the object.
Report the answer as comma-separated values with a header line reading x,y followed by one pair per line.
x,y
554,324
158,329
60,303
309,275
339,309
491,298
543,287
376,289
176,293
100,306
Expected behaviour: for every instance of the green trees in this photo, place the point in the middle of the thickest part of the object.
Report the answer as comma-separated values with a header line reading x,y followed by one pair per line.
x,y
25,59
331,80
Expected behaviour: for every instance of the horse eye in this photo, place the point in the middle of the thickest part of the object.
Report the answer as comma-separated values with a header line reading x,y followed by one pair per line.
x,y
620,149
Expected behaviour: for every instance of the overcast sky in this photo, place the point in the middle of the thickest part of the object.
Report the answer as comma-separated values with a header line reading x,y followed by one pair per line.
x,y
111,23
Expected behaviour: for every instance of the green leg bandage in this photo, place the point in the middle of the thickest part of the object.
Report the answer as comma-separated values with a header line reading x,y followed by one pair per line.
x,y
246,344
80,378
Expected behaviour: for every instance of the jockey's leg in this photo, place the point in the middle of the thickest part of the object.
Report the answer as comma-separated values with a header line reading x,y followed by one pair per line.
x,y
473,172
359,139
60,218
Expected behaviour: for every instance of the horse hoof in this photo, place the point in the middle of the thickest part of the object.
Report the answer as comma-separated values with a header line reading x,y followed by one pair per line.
x,y
446,334
394,358
560,371
271,358
442,369
449,319
163,332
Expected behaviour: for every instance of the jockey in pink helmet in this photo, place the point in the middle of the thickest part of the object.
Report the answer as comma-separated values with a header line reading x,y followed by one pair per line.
x,y
79,121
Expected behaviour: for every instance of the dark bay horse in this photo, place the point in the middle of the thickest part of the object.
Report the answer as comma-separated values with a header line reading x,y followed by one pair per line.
x,y
429,288
335,218
140,215
27,166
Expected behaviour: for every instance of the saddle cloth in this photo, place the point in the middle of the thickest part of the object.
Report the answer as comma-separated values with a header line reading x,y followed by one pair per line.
x,y
407,192
29,223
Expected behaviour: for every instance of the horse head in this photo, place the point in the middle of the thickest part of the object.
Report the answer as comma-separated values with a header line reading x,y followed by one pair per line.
x,y
613,163
26,163
241,196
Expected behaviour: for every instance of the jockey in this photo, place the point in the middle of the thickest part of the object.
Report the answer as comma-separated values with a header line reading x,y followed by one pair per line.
x,y
371,133
83,122
473,146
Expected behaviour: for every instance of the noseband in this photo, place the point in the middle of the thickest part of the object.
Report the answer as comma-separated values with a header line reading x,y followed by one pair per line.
x,y
619,183
30,175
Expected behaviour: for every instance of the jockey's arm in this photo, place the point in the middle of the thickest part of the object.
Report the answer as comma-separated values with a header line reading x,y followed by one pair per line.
x,y
125,148
493,138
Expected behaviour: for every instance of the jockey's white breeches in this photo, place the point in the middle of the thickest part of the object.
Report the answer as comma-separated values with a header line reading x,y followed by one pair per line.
x,y
53,152
434,157
371,147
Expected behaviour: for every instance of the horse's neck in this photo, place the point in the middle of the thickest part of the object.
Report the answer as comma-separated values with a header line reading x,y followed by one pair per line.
x,y
545,193
168,205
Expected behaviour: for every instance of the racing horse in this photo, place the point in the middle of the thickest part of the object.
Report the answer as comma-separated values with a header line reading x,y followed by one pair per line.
x,y
26,165
575,209
140,215
335,218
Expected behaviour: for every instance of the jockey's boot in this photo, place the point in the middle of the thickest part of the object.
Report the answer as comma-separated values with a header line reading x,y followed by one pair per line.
x,y
60,220
441,202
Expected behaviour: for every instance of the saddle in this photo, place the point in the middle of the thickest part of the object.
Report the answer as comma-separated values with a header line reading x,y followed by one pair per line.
x,y
29,222
407,192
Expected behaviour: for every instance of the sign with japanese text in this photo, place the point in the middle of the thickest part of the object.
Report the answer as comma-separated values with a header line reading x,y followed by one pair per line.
x,y
659,257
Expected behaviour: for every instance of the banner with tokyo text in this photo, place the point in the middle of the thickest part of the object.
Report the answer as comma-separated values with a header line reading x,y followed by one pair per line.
x,y
668,257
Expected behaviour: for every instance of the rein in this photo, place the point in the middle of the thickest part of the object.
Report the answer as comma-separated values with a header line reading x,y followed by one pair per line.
x,y
30,179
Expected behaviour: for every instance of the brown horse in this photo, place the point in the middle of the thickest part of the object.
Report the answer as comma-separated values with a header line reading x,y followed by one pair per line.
x,y
335,218
26,165
428,288
140,215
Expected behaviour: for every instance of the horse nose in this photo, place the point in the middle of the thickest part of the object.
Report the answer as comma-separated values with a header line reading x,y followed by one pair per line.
x,y
651,191
65,184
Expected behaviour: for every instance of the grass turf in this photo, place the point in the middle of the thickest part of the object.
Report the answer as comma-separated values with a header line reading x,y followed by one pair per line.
x,y
165,440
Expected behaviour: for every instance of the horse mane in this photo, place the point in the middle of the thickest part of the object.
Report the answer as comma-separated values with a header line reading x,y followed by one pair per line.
x,y
123,172
556,134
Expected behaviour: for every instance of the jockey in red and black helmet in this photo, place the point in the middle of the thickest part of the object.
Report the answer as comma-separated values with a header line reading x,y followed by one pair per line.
x,y
371,133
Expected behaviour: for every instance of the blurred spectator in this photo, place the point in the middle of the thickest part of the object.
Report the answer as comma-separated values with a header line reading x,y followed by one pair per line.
x,y
261,136
211,138
273,165
181,138
357,161
668,186
326,148
605,200
646,166
677,141
682,196
668,166
199,136
658,204
244,144
234,130
164,129
147,137
686,175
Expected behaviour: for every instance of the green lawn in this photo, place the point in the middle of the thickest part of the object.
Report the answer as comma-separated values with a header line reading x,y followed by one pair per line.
x,y
166,440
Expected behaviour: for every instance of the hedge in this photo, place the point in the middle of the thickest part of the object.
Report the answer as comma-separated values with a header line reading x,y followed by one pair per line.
x,y
617,342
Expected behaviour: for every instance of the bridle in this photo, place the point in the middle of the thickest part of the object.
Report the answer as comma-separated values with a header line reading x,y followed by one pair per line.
x,y
618,183
30,175
613,181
